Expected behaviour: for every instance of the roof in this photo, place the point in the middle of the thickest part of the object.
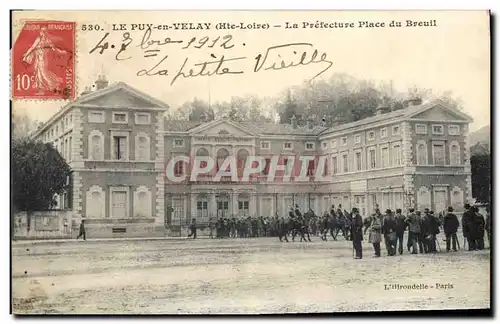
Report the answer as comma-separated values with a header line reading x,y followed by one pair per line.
x,y
258,128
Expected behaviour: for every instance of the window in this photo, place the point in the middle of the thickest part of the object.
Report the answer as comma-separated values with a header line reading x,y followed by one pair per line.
x,y
372,157
243,208
265,145
310,168
143,118
437,129
357,139
396,154
384,157
395,130
334,143
345,163
453,130
178,142
371,135
421,129
309,146
142,148
344,141
421,153
177,209
454,154
267,166
202,208
383,133
287,145
334,164
119,147
438,153
96,116
287,167
179,168
324,145
96,144
70,149
120,118
358,161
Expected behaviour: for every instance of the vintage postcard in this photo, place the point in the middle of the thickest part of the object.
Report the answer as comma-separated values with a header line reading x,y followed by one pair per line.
x,y
250,162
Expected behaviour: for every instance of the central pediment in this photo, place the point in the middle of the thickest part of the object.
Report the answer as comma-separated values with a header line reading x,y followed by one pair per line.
x,y
222,128
121,95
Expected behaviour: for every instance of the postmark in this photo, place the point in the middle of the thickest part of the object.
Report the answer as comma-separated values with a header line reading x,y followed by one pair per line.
x,y
43,61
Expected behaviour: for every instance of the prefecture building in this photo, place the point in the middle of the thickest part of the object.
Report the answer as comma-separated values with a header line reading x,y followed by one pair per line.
x,y
117,141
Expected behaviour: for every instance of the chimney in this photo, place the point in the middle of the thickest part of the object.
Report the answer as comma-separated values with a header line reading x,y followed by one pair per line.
x,y
383,109
101,82
86,91
310,124
293,122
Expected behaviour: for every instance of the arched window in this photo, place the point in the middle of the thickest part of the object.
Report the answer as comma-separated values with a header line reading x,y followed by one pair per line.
x,y
242,159
142,202
422,153
423,198
222,154
454,153
96,145
457,198
95,202
202,152
142,147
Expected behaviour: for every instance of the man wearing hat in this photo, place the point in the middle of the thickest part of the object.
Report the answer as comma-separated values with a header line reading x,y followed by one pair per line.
x,y
389,231
468,226
413,222
400,229
450,226
357,233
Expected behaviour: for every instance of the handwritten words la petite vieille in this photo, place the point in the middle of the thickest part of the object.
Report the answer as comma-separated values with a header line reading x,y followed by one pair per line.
x,y
274,58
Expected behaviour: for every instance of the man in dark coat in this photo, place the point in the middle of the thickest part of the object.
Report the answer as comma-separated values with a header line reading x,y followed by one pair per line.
x,y
357,233
389,232
432,229
450,227
82,231
414,229
192,228
479,222
468,226
487,225
400,229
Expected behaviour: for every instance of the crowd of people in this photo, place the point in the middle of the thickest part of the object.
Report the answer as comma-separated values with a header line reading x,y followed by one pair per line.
x,y
422,228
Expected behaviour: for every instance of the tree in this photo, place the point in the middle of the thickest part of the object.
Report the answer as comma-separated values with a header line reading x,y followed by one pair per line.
x,y
22,125
481,177
38,174
288,109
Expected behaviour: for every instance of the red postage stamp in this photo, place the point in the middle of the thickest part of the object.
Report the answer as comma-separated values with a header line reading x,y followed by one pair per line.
x,y
43,61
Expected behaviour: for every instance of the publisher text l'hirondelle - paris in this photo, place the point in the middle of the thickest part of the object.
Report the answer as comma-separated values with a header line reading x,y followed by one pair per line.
x,y
271,168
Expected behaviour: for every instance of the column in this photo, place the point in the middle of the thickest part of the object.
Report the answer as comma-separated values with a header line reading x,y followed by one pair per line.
x,y
253,204
234,203
212,206
193,204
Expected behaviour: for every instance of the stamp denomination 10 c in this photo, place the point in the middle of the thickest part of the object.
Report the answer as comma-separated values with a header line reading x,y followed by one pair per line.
x,y
43,61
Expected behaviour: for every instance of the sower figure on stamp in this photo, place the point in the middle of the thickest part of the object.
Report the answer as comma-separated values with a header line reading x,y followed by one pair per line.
x,y
400,229
450,227
82,231
357,233
192,228
389,231
375,235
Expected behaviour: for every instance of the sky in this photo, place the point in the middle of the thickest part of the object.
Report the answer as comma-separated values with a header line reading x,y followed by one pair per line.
x,y
453,55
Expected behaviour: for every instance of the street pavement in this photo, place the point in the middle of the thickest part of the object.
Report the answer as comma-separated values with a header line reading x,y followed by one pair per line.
x,y
239,276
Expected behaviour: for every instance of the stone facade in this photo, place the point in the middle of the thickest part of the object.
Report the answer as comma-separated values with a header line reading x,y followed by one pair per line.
x,y
121,144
